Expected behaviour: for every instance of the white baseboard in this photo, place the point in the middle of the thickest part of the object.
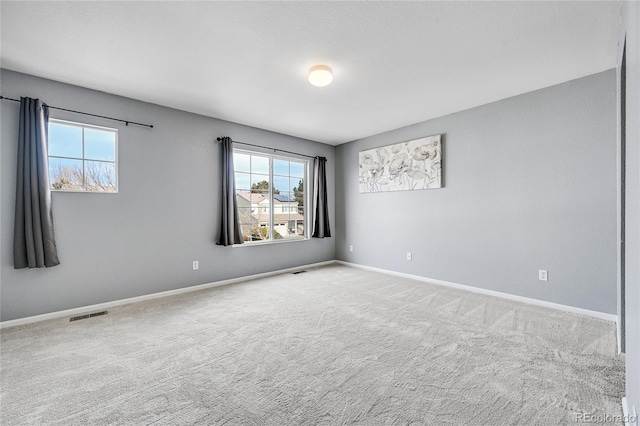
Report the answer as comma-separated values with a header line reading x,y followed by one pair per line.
x,y
537,302
99,306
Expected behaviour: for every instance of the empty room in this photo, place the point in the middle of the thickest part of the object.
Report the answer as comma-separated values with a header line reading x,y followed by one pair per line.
x,y
319,213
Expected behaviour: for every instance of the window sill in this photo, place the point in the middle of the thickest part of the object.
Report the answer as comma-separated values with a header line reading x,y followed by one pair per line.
x,y
266,243
80,191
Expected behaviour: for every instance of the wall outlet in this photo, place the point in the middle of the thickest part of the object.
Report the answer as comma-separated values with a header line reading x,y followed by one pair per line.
x,y
408,255
543,275
195,265
351,249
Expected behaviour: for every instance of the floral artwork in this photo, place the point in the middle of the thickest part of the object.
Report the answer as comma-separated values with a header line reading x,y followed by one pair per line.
x,y
405,166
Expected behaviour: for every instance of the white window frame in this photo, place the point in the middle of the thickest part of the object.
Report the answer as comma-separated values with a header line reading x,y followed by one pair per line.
x,y
307,197
83,159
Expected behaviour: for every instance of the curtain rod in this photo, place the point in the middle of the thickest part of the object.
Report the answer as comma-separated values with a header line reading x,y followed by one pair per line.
x,y
127,122
273,149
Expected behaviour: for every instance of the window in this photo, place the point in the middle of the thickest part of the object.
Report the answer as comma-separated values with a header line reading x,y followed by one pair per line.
x,y
271,194
82,157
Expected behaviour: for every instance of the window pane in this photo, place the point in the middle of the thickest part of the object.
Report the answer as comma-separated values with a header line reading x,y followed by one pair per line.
x,y
297,184
243,199
245,216
261,202
259,233
241,162
281,183
280,229
246,232
65,141
259,198
286,197
259,182
259,164
280,167
297,169
243,181
261,209
298,190
99,145
293,184
65,174
100,176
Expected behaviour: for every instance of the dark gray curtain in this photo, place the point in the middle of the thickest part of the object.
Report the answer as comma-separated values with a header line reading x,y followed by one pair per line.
x,y
321,209
34,244
230,232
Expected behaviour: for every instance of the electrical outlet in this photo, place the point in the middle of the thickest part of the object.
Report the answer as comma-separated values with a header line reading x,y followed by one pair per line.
x,y
408,255
195,265
351,249
543,275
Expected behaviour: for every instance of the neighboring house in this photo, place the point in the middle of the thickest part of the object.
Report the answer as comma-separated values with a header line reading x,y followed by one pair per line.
x,y
253,210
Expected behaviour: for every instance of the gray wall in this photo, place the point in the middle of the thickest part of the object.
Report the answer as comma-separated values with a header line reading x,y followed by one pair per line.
x,y
529,184
143,239
631,28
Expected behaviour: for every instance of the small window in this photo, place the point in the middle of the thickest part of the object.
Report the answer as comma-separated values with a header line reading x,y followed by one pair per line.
x,y
272,196
82,157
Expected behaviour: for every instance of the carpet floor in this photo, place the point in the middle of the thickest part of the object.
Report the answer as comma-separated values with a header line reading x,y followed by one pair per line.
x,y
333,346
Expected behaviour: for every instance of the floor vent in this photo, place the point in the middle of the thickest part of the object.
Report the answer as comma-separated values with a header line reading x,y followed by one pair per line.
x,y
298,272
85,316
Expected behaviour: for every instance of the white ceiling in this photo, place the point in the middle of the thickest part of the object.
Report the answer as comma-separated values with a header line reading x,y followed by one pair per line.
x,y
395,63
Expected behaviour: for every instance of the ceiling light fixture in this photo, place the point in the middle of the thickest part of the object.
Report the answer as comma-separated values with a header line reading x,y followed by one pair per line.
x,y
320,75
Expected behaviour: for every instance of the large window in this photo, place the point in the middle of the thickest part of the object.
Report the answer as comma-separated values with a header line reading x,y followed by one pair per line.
x,y
82,157
272,196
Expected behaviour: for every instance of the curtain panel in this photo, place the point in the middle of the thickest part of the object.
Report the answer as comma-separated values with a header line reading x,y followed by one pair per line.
x,y
230,232
321,228
34,244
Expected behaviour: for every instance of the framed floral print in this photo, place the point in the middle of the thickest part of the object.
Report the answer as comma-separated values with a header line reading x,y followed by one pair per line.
x,y
404,166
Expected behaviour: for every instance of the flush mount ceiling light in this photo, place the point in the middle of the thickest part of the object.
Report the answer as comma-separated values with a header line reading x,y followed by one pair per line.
x,y
320,75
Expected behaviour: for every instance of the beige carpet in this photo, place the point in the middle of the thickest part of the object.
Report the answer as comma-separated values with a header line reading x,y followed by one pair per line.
x,y
335,345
